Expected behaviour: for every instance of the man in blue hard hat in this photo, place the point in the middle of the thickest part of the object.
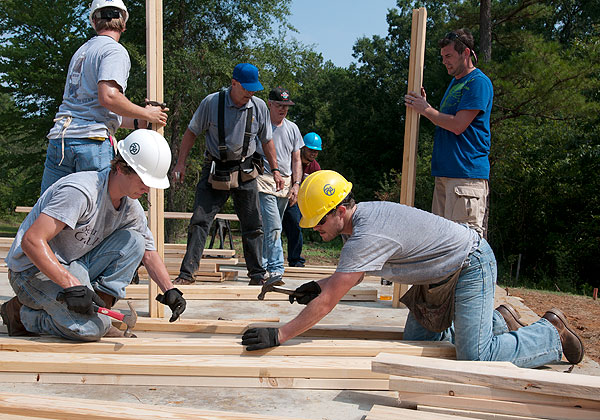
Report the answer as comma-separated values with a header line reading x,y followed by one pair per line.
x,y
291,218
233,122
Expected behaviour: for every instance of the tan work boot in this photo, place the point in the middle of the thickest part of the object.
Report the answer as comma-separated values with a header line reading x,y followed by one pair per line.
x,y
11,317
572,346
511,316
179,281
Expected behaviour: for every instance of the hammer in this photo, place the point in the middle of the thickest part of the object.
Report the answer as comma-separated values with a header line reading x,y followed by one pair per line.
x,y
269,286
128,319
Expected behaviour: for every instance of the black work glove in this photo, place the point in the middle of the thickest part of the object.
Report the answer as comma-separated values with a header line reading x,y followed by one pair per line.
x,y
260,338
306,293
173,298
80,299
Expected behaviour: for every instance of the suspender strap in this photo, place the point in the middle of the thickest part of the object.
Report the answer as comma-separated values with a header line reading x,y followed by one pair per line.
x,y
247,132
221,127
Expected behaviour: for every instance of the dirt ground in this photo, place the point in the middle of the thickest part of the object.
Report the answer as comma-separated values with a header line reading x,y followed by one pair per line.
x,y
582,312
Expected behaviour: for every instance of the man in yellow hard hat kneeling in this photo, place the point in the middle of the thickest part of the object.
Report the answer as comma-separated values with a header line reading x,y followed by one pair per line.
x,y
452,268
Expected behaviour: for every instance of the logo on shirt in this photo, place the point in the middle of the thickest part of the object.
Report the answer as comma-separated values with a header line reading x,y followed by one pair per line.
x,y
134,148
329,190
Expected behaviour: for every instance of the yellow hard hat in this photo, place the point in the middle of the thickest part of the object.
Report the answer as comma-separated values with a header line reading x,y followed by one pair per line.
x,y
319,193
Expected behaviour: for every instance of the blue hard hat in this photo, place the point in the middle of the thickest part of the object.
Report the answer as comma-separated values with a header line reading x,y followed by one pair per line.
x,y
313,141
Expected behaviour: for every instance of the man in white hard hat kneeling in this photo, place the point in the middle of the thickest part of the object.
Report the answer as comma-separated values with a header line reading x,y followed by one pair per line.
x,y
82,242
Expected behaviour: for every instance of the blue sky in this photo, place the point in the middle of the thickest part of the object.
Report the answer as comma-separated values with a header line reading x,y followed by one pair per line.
x,y
333,26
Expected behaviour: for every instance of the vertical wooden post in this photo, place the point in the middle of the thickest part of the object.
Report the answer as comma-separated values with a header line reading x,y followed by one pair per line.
x,y
411,126
154,89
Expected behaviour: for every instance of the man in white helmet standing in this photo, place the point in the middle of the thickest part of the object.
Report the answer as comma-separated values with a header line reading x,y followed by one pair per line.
x,y
94,105
82,242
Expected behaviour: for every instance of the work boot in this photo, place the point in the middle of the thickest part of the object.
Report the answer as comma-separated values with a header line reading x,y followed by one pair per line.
x,y
185,282
572,346
256,281
11,317
511,316
109,300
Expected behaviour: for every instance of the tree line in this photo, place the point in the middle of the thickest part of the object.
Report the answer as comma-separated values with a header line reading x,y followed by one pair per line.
x,y
542,57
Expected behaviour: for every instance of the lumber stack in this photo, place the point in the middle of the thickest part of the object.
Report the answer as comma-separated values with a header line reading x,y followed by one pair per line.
x,y
484,390
206,361
5,244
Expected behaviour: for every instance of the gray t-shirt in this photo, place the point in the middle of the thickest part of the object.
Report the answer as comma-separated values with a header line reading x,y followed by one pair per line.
x,y
287,139
100,59
206,119
82,202
405,244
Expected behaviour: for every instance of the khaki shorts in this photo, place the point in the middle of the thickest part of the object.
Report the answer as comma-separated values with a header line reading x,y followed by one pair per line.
x,y
462,200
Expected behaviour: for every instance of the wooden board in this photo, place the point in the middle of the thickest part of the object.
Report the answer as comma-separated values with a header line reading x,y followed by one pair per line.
x,y
228,346
526,380
411,123
223,292
431,387
238,327
191,365
61,408
500,407
472,414
382,412
196,381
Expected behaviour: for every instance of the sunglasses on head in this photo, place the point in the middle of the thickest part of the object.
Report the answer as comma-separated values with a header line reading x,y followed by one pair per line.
x,y
452,36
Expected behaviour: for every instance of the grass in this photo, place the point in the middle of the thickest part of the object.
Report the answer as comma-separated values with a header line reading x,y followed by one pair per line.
x,y
9,227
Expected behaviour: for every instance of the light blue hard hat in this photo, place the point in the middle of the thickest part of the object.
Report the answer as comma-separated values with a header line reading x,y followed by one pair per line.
x,y
313,141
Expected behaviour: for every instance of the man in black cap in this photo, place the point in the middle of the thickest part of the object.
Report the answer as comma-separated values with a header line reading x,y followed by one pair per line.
x,y
235,123
288,142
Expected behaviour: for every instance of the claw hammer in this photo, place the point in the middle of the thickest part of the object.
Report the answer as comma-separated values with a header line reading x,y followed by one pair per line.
x,y
128,319
269,286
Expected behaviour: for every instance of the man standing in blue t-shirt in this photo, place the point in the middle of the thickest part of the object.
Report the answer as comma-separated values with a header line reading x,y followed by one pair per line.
x,y
462,139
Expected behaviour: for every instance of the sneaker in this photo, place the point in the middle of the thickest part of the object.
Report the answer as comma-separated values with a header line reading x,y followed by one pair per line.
x,y
180,281
11,317
275,279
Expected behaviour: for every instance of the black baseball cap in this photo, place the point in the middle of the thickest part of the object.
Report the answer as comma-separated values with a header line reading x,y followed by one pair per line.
x,y
281,96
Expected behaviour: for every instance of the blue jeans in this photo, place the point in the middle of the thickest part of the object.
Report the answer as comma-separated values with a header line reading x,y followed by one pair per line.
x,y
272,209
293,231
479,332
108,268
80,155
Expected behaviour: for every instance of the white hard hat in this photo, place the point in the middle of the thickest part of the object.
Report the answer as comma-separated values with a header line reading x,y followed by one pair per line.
x,y
149,154
99,4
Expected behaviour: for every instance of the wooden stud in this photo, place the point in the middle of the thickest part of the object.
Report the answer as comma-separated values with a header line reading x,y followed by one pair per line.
x,y
61,408
230,346
411,124
199,326
154,87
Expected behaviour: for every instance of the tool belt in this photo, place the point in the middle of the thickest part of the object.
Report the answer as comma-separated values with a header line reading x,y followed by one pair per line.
x,y
432,305
230,174
225,175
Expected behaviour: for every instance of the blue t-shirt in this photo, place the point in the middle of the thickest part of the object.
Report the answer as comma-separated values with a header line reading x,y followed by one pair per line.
x,y
465,155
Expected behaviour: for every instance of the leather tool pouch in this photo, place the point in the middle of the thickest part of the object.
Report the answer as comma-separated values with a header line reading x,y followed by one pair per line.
x,y
433,305
222,178
251,168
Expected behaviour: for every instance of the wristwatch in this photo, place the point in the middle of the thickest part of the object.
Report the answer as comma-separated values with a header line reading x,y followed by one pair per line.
x,y
297,182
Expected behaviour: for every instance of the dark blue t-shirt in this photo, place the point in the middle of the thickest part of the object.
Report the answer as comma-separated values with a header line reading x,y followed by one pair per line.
x,y
465,155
